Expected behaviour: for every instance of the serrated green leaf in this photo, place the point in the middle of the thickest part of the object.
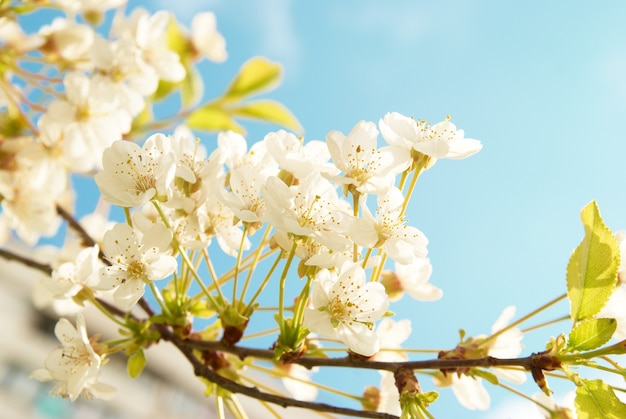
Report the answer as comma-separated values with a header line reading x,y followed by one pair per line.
x,y
135,364
592,268
255,75
212,118
590,334
595,399
269,111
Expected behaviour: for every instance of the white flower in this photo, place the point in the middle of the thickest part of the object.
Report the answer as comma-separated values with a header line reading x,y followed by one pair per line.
x,y
441,140
135,262
346,308
412,279
30,211
89,121
75,365
206,39
388,230
389,397
364,166
69,40
245,198
298,381
216,219
148,33
89,6
232,150
310,209
134,175
297,158
392,334
70,277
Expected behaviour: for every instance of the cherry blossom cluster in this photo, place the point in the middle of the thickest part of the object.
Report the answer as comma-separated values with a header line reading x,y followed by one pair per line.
x,y
318,229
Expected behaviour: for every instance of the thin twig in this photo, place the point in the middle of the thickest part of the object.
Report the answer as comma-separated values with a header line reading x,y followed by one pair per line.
x,y
8,255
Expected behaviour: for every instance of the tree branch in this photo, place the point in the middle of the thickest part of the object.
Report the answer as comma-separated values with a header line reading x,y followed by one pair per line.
x,y
8,255
527,363
203,371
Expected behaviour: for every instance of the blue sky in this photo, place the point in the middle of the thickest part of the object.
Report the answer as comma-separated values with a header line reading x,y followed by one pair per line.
x,y
541,84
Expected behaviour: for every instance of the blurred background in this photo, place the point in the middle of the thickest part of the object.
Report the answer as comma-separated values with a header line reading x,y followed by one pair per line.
x,y
541,84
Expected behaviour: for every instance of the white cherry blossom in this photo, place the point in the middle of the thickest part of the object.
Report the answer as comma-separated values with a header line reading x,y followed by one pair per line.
x,y
298,158
441,140
206,39
148,33
75,366
134,175
69,278
365,167
413,279
135,262
88,121
346,308
388,229
310,209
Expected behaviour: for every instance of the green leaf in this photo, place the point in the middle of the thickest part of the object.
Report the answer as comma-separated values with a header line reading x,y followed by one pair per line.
x,y
136,362
255,75
269,111
595,399
590,334
592,268
212,118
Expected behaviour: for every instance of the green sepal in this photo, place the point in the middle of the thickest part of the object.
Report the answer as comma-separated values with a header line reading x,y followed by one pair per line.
x,y
590,334
596,399
136,363
592,268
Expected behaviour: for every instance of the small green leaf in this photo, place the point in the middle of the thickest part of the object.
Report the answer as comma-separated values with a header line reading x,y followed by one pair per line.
x,y
136,362
255,75
269,111
176,38
212,118
592,268
595,399
590,334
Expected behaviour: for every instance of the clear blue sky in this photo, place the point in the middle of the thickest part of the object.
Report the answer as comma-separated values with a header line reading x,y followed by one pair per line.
x,y
541,84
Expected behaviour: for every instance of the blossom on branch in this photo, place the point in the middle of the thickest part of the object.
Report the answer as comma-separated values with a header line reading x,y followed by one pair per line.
x,y
388,229
365,167
75,366
135,262
134,175
346,307
438,141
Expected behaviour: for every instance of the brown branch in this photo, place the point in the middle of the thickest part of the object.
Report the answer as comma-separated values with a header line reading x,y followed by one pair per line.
x,y
203,371
8,255
75,225
355,362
